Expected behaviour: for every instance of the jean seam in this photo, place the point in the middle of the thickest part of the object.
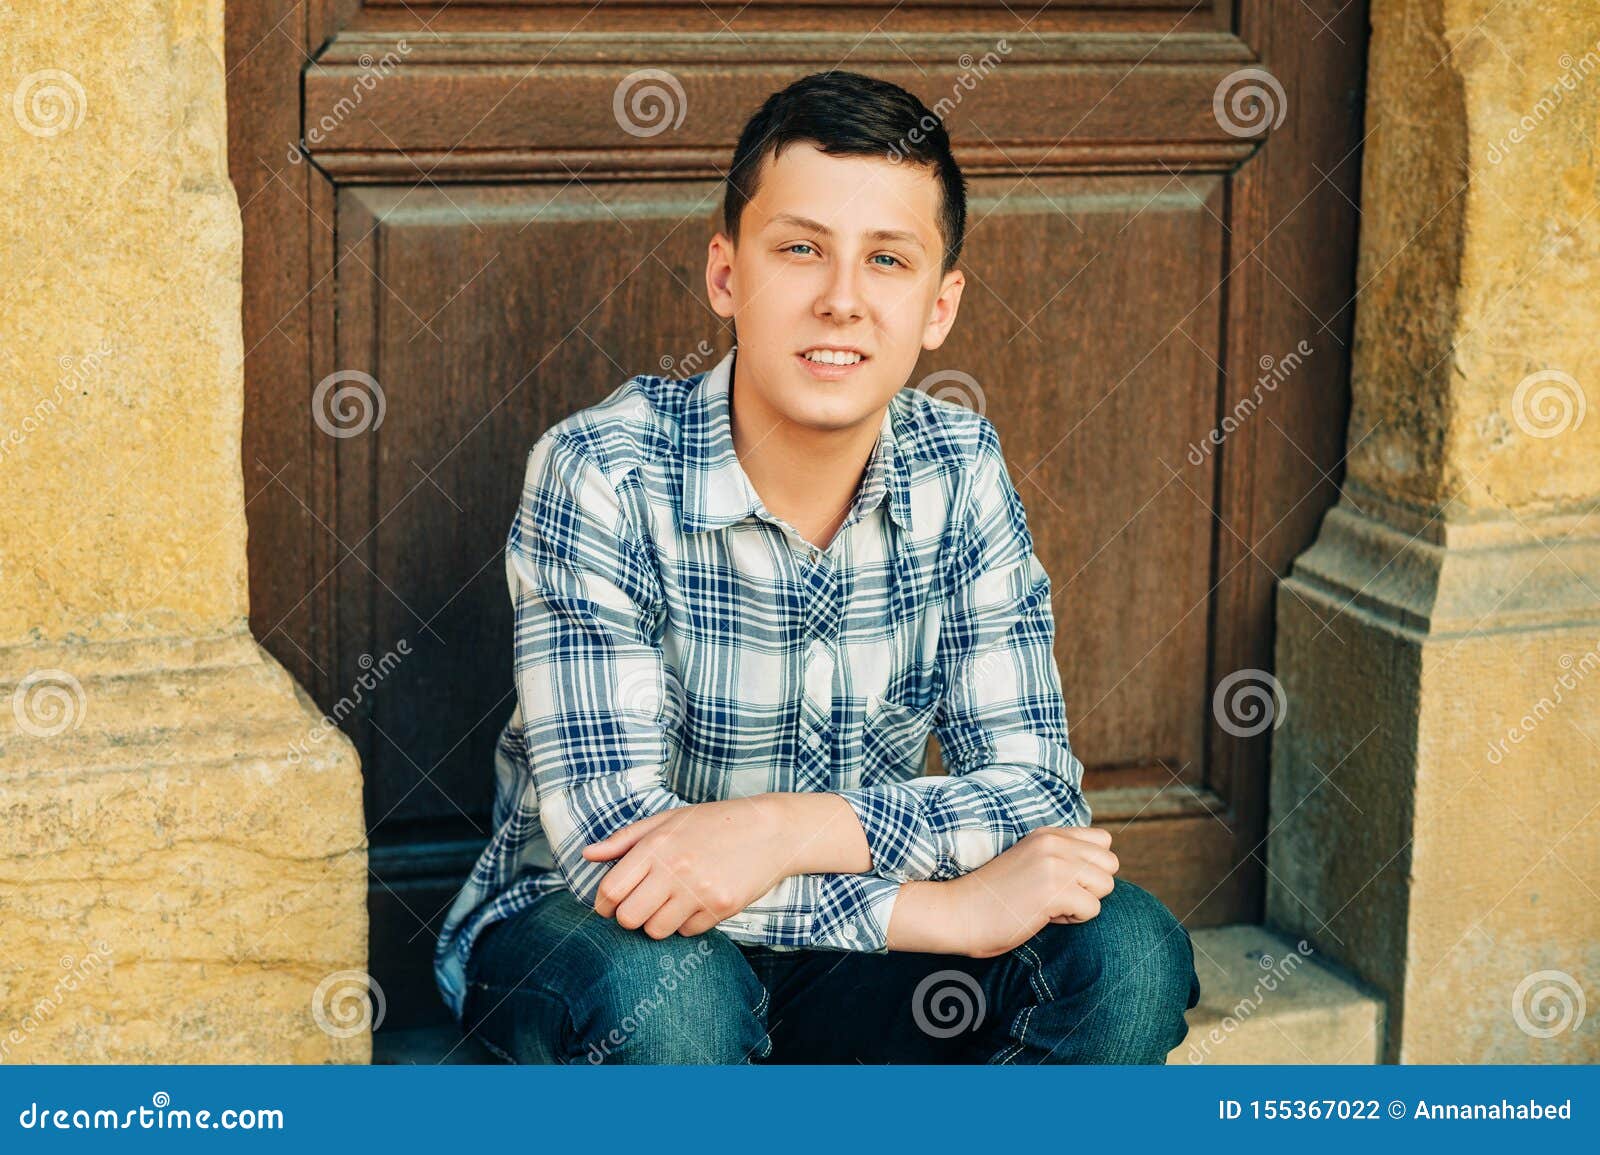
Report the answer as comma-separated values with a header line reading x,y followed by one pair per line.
x,y
757,1014
1036,979
538,988
1014,1048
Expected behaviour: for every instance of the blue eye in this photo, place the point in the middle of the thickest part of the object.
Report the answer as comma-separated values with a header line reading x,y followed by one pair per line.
x,y
797,245
895,259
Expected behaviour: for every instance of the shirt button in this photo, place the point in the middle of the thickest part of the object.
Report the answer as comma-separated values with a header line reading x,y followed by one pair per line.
x,y
813,741
849,932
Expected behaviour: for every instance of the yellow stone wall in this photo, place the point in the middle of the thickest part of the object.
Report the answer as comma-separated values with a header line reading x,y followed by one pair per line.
x,y
179,880
1480,255
1436,780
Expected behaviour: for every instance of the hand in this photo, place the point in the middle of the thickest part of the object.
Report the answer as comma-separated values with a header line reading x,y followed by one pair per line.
x,y
686,869
1051,874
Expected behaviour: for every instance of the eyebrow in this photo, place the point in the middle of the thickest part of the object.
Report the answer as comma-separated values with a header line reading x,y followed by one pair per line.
x,y
819,227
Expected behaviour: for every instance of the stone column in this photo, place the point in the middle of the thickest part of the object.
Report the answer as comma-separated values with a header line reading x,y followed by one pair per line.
x,y
1435,803
182,849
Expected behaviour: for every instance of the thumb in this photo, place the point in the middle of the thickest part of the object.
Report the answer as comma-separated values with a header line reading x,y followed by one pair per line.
x,y
618,842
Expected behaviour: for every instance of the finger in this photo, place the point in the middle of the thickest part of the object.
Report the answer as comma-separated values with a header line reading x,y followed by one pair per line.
x,y
647,898
671,916
619,842
1081,907
1096,881
698,923
1097,835
619,883
1100,858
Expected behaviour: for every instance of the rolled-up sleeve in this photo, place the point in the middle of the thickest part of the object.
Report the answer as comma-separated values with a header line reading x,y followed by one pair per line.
x,y
1002,723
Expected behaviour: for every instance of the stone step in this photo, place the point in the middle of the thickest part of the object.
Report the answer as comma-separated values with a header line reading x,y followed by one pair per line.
x,y
1266,999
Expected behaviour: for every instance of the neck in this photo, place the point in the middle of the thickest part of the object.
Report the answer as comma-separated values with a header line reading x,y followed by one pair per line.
x,y
807,477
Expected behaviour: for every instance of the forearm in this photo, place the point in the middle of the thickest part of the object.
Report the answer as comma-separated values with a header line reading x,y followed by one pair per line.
x,y
927,918
820,831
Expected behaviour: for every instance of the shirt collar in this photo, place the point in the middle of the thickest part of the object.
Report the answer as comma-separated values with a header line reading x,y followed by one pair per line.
x,y
716,490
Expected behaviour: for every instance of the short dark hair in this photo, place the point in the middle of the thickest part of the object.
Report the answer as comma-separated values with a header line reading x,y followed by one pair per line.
x,y
848,114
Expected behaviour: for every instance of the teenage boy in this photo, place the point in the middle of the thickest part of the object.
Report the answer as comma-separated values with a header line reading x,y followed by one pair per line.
x,y
743,600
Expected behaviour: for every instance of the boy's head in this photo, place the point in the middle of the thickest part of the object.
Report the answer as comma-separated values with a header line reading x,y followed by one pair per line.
x,y
843,220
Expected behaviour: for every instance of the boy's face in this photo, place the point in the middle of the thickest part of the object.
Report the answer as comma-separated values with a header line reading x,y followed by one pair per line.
x,y
834,251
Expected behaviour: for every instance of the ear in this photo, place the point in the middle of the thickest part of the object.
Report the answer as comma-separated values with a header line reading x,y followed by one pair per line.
x,y
720,288
942,315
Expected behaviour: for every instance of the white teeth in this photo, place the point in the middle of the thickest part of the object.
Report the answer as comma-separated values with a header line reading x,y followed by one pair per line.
x,y
828,357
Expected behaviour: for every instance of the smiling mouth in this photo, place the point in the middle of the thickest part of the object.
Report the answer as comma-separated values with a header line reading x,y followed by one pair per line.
x,y
838,365
824,356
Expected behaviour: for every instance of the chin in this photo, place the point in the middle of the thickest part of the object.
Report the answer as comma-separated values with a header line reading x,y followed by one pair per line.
x,y
828,418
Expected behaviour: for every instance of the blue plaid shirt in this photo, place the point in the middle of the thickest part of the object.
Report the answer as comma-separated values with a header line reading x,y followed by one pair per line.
x,y
677,643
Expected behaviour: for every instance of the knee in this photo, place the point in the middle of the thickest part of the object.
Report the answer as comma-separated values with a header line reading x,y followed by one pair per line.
x,y
1142,962
672,1000
1148,948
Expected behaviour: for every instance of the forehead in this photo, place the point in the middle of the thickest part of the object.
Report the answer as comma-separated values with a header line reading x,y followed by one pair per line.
x,y
849,194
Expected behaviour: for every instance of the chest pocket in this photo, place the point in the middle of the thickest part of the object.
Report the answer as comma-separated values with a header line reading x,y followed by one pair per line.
x,y
895,737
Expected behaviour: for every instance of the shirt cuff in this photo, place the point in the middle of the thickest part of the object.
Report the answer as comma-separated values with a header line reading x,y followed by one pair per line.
x,y
892,820
853,913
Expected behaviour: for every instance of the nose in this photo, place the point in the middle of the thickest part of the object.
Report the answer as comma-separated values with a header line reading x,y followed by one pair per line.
x,y
840,299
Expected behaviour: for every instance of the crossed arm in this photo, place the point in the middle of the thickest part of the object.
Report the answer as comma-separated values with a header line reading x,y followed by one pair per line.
x,y
971,864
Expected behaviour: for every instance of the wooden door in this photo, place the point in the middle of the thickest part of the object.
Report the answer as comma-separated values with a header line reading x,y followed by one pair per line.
x,y
472,243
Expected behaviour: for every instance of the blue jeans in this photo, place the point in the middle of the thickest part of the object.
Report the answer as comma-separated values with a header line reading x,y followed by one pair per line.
x,y
557,983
